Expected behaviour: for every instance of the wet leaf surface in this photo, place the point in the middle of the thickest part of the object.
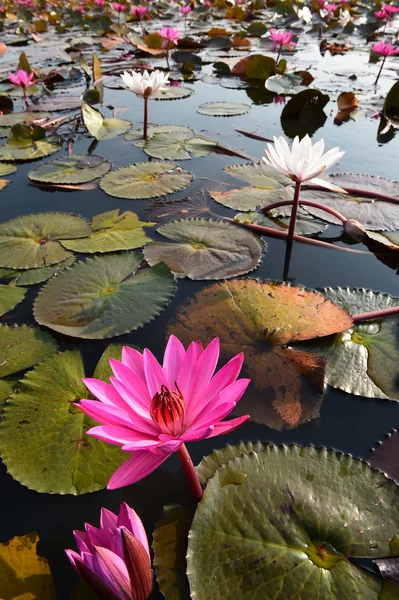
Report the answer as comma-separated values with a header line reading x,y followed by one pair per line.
x,y
23,347
10,297
69,170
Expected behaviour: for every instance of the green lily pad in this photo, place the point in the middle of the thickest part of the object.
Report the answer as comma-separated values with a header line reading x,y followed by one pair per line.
x,y
111,232
364,359
10,119
7,169
223,109
137,134
32,241
23,347
259,319
146,180
6,389
100,128
205,249
177,146
9,298
29,149
66,170
256,66
285,84
211,463
259,175
34,276
104,296
42,416
284,521
304,225
251,198
172,93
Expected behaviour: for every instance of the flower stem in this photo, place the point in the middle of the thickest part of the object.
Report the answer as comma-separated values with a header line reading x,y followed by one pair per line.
x,y
333,212
25,96
145,118
294,213
377,314
190,472
379,72
279,54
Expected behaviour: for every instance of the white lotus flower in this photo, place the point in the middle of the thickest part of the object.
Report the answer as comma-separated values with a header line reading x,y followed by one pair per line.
x,y
145,85
303,162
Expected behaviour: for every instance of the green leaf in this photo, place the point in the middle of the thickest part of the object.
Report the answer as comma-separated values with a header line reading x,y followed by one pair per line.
x,y
283,522
100,128
284,84
23,63
137,134
389,591
7,169
170,547
364,359
111,232
256,66
304,225
30,149
257,29
205,249
10,119
104,296
251,198
172,93
9,298
43,440
34,276
66,170
6,389
32,241
146,180
97,76
223,109
391,104
177,146
23,347
211,463
305,99
259,175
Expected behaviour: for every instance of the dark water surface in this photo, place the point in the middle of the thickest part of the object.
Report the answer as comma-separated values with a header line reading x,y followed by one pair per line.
x,y
347,423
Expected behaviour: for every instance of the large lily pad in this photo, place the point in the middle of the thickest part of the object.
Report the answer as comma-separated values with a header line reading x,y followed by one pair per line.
x,y
29,149
258,319
34,276
364,359
104,296
259,175
284,521
178,146
9,297
43,439
23,347
172,93
385,456
137,134
67,170
32,241
146,180
251,198
205,249
223,109
304,224
100,128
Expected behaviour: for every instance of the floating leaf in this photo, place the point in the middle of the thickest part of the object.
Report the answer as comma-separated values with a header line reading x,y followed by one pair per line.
x,y
304,225
34,276
251,198
146,180
385,456
211,463
32,241
178,146
259,175
23,347
205,249
104,296
8,120
23,574
363,360
42,416
223,109
6,389
55,103
137,134
66,170
284,84
391,104
304,113
9,298
172,93
170,547
256,66
287,519
111,232
100,128
7,169
259,319
29,149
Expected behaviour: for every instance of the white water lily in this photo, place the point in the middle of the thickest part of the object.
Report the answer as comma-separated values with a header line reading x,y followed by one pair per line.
x,y
303,161
145,85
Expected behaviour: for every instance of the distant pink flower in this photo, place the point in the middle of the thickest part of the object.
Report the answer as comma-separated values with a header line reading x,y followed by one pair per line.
x,y
99,2
115,559
329,7
22,79
279,100
139,12
389,9
169,35
385,49
208,3
282,38
381,15
151,411
80,9
185,10
119,8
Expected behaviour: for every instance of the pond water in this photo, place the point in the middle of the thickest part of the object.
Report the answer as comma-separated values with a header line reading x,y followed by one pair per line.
x,y
348,423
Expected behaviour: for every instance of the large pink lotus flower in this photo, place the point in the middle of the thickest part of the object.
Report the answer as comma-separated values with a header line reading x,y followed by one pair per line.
x,y
22,79
382,15
139,12
282,38
115,559
385,49
169,35
152,411
389,9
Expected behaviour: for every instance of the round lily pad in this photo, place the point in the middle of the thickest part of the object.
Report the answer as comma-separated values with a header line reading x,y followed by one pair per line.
x,y
100,128
146,180
259,175
29,149
32,241
34,276
178,146
22,347
67,170
284,521
104,296
9,297
7,169
43,439
205,249
223,109
251,198
137,134
172,93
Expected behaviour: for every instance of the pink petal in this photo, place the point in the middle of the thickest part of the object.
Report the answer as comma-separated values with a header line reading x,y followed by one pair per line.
x,y
104,413
219,406
111,569
107,519
227,426
174,354
128,518
105,392
73,557
119,435
197,434
212,415
131,399
204,371
138,466
133,382
155,375
133,359
146,444
185,375
13,78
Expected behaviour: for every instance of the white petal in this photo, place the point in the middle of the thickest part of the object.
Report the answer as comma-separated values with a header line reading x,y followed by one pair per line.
x,y
326,184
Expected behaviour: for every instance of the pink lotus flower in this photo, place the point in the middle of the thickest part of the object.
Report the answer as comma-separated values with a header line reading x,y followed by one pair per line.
x,y
282,38
389,9
115,559
185,10
152,411
99,2
119,8
384,49
22,79
329,8
279,100
169,35
381,15
80,9
139,12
